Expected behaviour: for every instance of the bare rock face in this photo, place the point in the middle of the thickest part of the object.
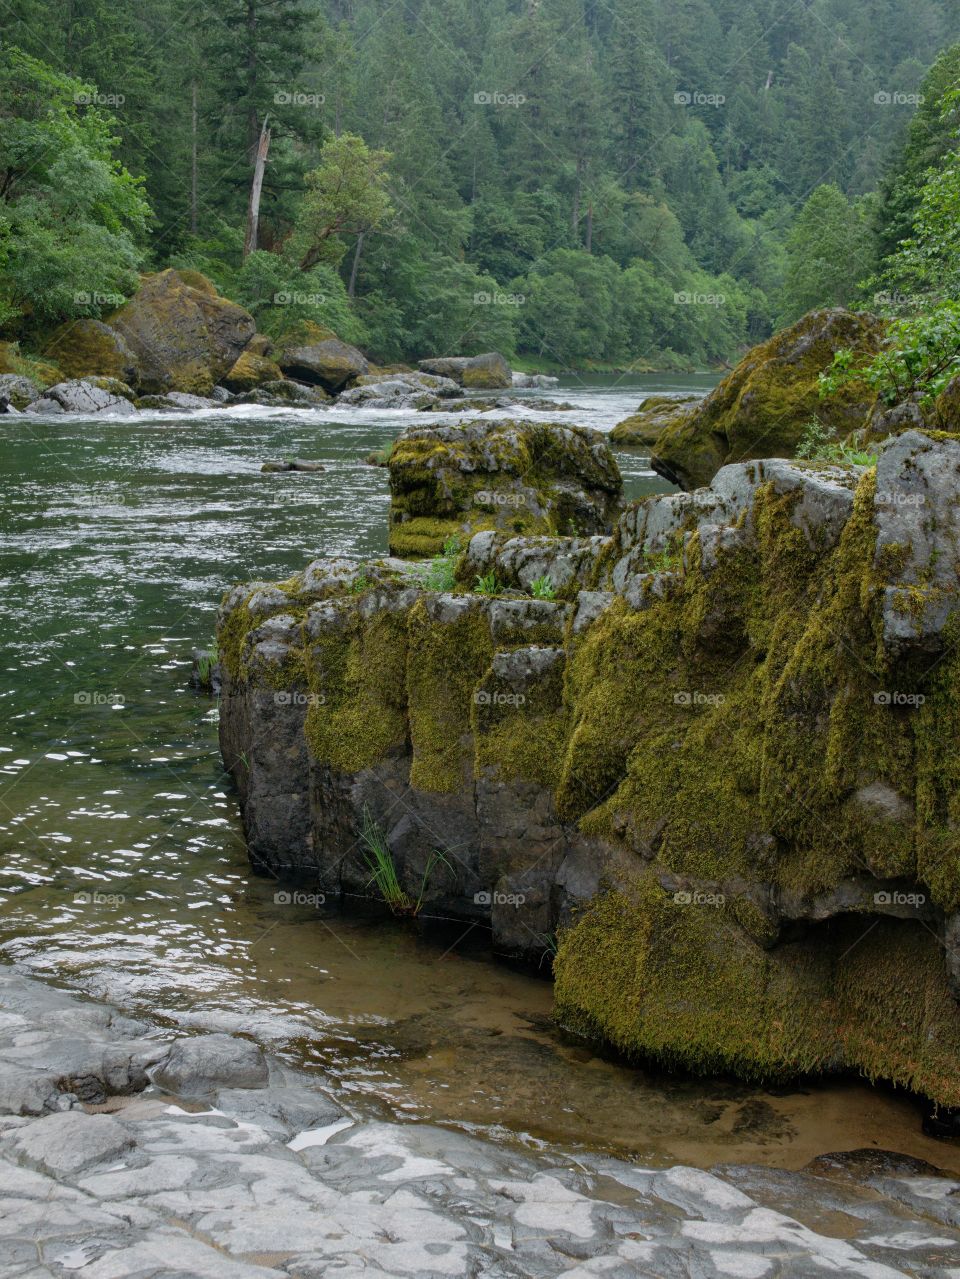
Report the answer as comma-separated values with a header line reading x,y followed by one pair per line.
x,y
711,752
489,371
86,398
524,477
762,408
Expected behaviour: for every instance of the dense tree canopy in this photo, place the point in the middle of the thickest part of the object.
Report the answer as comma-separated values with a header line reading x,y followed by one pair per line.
x,y
642,180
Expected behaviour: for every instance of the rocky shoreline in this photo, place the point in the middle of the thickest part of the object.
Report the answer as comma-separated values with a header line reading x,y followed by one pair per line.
x,y
126,1153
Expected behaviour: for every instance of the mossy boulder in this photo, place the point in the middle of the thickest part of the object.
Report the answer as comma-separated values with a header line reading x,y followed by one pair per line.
x,y
185,337
311,353
520,477
14,361
655,415
89,348
490,371
251,370
762,408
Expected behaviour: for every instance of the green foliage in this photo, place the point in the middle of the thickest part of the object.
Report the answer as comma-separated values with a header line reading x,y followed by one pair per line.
x,y
920,356
346,195
383,873
441,572
70,213
829,252
818,443
542,588
487,585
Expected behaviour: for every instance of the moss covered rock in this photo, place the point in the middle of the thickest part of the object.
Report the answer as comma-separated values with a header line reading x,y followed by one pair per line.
x,y
251,370
655,415
489,371
185,337
311,353
762,408
14,361
721,763
522,477
89,348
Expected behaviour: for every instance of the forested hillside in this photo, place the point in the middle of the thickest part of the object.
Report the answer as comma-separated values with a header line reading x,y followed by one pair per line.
x,y
656,182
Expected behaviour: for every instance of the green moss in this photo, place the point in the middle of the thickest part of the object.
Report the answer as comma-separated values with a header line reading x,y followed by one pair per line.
x,y
42,372
357,670
446,661
521,739
762,408
683,984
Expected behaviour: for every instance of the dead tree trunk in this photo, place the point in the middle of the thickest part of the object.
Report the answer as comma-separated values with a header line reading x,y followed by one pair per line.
x,y
256,186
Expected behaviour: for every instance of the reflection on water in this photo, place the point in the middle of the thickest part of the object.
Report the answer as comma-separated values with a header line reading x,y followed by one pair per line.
x,y
122,865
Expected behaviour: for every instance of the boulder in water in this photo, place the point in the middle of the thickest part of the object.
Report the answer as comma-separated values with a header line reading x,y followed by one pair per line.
x,y
83,397
480,371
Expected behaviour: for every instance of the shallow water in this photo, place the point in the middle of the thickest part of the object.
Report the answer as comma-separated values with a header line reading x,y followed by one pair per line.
x,y
122,865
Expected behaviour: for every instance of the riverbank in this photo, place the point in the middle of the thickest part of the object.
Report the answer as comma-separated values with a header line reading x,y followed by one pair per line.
x,y
125,1151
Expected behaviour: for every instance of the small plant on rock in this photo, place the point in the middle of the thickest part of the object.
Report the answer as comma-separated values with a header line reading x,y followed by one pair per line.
x,y
542,588
383,873
819,444
442,570
488,585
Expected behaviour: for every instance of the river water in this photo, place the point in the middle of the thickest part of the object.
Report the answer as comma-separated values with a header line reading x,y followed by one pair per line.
x,y
123,871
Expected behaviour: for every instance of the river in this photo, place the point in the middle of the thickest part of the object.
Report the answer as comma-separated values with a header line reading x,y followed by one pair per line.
x,y
123,871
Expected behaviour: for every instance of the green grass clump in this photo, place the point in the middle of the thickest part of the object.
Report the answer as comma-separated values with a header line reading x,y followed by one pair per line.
x,y
542,588
441,572
383,873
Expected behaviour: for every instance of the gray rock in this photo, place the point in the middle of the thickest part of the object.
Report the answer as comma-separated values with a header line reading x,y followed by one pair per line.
x,y
64,1145
198,1067
18,391
82,397
489,370
329,363
531,380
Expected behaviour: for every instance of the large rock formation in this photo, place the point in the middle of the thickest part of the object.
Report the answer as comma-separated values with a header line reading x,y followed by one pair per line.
x,y
476,371
721,764
184,336
524,477
762,408
89,348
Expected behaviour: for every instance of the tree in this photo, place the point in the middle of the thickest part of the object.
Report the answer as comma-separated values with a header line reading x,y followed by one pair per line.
x,y
346,195
829,253
70,213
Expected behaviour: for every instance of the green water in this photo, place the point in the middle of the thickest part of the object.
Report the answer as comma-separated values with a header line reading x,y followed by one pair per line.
x,y
123,870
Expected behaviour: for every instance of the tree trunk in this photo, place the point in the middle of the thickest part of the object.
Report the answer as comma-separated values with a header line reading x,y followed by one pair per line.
x,y
589,244
351,287
253,212
193,160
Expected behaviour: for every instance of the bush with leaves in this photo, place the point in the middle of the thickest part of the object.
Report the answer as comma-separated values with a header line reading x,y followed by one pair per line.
x,y
70,213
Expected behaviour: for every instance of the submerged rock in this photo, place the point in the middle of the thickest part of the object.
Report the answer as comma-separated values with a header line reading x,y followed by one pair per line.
x,y
490,370
712,751
294,464
763,407
526,477
200,1066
